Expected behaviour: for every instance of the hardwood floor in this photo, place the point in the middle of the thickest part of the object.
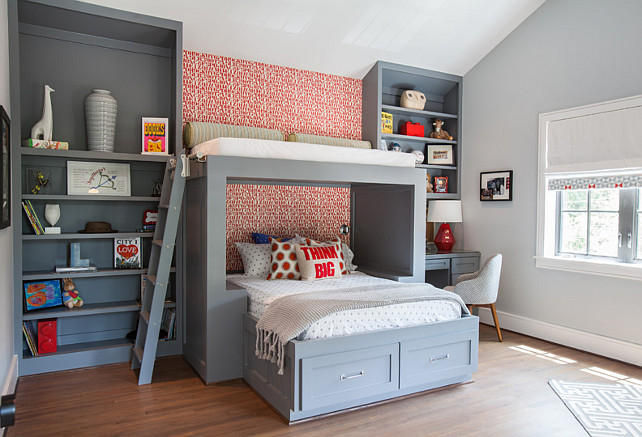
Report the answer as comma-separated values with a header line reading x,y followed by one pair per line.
x,y
510,397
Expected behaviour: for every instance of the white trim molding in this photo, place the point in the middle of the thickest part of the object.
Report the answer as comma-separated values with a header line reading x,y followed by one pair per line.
x,y
586,341
11,379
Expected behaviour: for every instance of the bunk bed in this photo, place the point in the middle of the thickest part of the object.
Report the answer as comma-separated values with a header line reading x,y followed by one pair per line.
x,y
329,374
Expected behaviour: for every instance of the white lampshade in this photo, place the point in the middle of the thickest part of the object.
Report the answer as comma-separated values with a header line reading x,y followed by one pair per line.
x,y
443,211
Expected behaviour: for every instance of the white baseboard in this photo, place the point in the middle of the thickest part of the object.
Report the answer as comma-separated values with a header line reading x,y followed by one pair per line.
x,y
586,341
9,386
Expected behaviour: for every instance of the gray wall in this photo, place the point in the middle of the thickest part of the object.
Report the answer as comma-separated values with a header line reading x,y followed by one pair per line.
x,y
6,238
567,53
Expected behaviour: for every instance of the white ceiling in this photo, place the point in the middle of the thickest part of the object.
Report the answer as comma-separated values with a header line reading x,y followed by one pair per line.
x,y
343,37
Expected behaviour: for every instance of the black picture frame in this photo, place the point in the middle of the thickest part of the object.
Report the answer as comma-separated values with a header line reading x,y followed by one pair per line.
x,y
5,169
496,185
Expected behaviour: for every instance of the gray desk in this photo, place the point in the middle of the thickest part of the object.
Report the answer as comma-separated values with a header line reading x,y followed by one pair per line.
x,y
443,268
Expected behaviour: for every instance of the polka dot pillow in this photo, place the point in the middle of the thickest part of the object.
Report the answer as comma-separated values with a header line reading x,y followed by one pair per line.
x,y
255,258
283,262
319,262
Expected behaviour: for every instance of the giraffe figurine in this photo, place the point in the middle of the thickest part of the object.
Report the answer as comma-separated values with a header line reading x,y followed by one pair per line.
x,y
44,126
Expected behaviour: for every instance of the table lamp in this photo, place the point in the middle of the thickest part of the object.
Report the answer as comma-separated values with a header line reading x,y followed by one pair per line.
x,y
444,211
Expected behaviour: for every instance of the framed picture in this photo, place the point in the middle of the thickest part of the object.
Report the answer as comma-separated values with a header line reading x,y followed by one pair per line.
x,y
98,178
439,154
496,185
5,169
155,136
42,294
441,184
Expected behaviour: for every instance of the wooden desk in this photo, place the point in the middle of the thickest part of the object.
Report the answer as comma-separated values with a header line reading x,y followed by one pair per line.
x,y
443,268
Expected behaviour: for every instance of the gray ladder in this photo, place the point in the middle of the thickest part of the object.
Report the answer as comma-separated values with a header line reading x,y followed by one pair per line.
x,y
160,263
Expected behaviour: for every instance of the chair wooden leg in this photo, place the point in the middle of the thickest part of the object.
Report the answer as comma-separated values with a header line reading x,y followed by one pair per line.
x,y
470,308
499,332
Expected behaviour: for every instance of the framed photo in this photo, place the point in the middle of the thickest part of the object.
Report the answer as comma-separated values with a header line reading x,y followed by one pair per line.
x,y
5,169
98,178
441,184
439,154
42,294
155,136
496,185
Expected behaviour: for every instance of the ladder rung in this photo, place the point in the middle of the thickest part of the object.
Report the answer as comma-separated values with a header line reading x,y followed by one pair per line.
x,y
145,316
152,279
163,206
139,354
158,243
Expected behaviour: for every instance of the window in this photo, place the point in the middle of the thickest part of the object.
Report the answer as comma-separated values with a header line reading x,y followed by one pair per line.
x,y
591,223
589,204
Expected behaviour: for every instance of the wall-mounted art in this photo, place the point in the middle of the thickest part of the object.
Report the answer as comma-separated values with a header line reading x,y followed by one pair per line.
x,y
5,169
496,185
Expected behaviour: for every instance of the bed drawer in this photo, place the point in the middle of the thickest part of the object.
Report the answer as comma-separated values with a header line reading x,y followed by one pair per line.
x,y
466,264
346,376
426,360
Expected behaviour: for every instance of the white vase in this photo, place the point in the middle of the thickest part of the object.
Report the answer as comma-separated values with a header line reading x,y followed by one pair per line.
x,y
52,214
101,110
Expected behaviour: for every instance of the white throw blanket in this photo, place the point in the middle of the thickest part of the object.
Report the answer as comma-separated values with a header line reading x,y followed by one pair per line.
x,y
289,316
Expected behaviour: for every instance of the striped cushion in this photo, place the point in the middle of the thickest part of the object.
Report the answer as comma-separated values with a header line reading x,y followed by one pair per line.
x,y
329,141
197,132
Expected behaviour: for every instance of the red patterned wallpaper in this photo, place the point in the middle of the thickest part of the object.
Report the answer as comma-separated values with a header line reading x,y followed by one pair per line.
x,y
315,212
246,93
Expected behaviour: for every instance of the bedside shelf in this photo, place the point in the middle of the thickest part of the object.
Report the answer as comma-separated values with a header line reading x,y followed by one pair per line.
x,y
417,112
416,139
436,166
90,198
91,155
85,310
79,236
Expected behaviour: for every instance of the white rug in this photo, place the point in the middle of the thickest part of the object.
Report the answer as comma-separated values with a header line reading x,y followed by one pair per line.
x,y
604,410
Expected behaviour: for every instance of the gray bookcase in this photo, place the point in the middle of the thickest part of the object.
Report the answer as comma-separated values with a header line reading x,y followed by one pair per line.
x,y
382,89
75,47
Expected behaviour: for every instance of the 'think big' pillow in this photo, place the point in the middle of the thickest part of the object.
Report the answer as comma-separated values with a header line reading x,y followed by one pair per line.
x,y
319,262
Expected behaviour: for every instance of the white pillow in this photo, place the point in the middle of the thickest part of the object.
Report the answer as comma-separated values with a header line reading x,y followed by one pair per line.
x,y
348,254
319,261
255,257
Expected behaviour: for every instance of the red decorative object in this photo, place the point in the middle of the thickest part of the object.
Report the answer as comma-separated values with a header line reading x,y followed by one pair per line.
x,y
444,240
412,129
441,184
47,336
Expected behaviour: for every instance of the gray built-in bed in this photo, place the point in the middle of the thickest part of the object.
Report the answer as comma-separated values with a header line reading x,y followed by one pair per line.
x,y
387,236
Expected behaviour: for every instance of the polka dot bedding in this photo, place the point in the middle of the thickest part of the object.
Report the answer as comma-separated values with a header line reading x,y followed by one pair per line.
x,y
262,292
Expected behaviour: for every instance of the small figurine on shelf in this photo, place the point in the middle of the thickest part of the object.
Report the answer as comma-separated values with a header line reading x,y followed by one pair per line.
x,y
40,182
439,133
158,187
428,184
70,296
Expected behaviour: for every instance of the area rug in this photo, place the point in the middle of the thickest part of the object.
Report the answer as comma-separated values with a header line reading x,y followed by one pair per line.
x,y
603,409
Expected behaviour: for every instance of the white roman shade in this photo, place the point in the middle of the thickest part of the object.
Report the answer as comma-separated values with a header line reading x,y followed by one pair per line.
x,y
596,146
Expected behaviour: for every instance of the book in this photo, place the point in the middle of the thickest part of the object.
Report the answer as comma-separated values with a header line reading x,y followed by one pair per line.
x,y
168,322
386,123
30,336
35,216
30,217
45,144
127,254
155,136
78,269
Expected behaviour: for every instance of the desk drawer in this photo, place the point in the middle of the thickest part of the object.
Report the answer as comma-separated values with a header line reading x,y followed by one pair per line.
x,y
426,360
437,264
345,376
467,264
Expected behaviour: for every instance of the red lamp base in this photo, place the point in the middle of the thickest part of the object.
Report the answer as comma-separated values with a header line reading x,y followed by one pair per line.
x,y
444,240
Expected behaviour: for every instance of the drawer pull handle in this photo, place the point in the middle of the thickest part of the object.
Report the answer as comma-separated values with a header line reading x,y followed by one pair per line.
x,y
353,376
443,357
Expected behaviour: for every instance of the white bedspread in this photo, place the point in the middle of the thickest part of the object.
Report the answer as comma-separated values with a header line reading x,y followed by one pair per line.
x,y
252,148
262,292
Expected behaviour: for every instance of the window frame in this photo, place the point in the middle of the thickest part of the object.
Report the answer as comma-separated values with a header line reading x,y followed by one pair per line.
x,y
547,231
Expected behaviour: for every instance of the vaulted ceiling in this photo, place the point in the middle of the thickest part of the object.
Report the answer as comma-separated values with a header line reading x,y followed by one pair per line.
x,y
343,37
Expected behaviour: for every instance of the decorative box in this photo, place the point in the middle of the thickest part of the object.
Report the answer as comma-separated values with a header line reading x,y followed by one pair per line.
x,y
386,123
47,336
44,144
412,129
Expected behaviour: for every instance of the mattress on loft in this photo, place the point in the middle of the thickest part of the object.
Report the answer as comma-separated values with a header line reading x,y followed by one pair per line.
x,y
252,148
262,292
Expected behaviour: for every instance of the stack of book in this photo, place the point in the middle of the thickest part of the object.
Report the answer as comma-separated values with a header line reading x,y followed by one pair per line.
x,y
33,218
30,337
